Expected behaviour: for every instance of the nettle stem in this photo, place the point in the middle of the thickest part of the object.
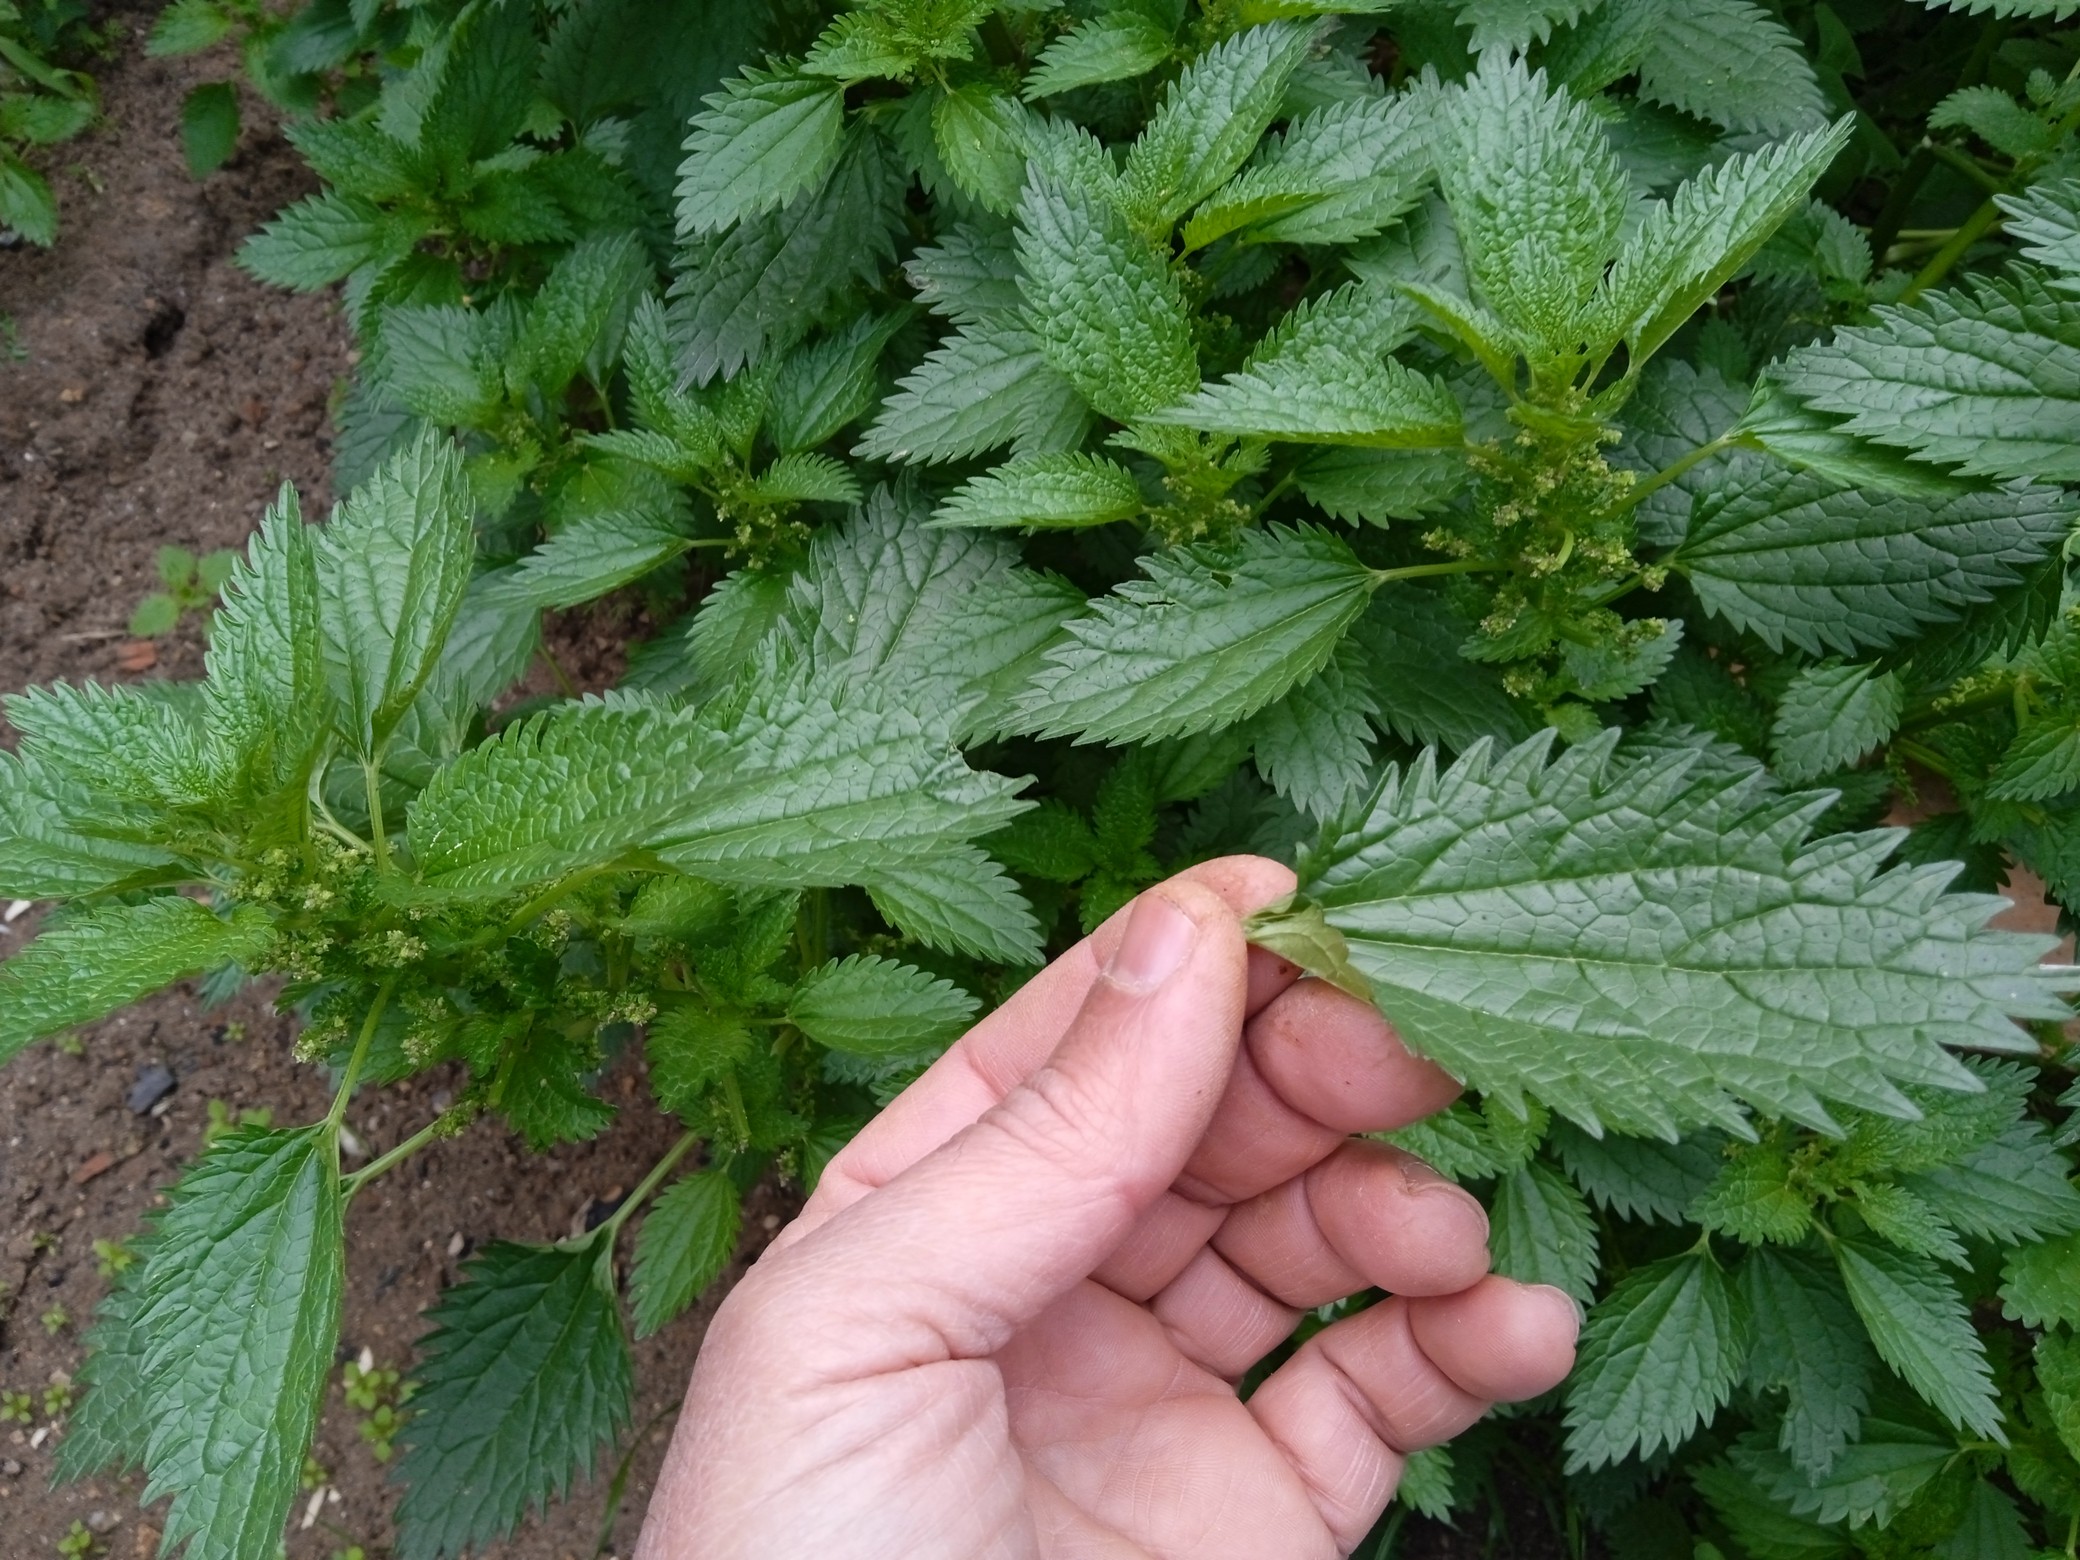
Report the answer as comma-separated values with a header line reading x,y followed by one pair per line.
x,y
1976,227
1675,469
649,1184
372,782
1420,571
352,1074
385,1162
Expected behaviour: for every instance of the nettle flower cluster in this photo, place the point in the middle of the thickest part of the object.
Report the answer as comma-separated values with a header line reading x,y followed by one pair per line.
x,y
1448,448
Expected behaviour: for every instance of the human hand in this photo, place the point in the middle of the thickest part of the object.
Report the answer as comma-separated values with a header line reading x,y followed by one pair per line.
x,y
1010,1320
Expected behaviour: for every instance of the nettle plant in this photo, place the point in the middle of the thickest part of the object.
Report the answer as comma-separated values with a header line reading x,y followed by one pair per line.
x,y
1462,458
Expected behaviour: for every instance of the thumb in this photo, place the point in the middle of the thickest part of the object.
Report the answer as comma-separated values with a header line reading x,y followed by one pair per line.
x,y
978,1237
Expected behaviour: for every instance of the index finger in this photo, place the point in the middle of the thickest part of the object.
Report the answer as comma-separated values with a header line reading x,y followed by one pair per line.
x,y
1008,1046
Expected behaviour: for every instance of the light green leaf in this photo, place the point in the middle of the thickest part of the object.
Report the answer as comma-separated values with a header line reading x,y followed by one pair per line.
x,y
392,568
524,1377
26,204
1731,62
1872,1480
687,1239
1381,485
988,385
796,789
1538,197
1687,248
1640,1178
1102,302
876,1007
1543,1232
2040,1283
961,902
1997,119
2043,761
1809,1344
1920,1326
823,387
325,237
1790,556
240,1305
576,318
592,556
1115,47
440,361
1045,493
806,479
1517,24
209,126
95,962
1211,119
1813,440
1323,377
767,136
1659,1357
1500,909
43,852
1985,377
1831,716
1215,633
2015,1188
2045,221
110,1427
981,135
188,27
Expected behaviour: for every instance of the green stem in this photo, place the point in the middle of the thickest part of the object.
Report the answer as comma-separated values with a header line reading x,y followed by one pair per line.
x,y
1976,227
1422,571
1675,469
1277,490
649,1184
372,782
1921,162
546,900
1951,157
563,681
352,1075
394,1158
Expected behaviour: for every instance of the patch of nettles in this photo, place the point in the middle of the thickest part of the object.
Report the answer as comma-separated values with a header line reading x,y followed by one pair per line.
x,y
1562,474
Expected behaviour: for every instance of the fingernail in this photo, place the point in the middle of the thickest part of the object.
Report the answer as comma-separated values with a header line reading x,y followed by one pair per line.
x,y
1417,1174
1158,937
1562,1297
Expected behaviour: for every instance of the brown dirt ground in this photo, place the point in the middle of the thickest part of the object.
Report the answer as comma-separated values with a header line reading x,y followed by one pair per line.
x,y
161,396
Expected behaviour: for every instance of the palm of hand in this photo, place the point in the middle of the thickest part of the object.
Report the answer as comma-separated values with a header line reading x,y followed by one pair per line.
x,y
1010,1320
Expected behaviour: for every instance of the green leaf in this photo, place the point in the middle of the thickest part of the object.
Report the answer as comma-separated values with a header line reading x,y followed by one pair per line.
x,y
1992,1528
240,1306
1045,492
324,238
209,126
1299,933
796,789
592,556
1115,47
576,318
765,138
1516,24
1323,377
43,852
1921,1329
26,204
1659,1357
1810,1345
1792,557
525,1375
2040,1283
188,27
2058,1373
1763,1528
95,962
1983,377
746,292
1872,1480
1831,716
1731,62
1215,633
1543,1232
876,1007
1639,1178
440,361
1997,119
1754,1198
1426,691
139,743
962,903
1687,248
687,1239
1104,304
157,614
981,135
2045,221
2015,1188
1538,197
2043,761
1314,746
1500,910
805,479
822,388
986,386
392,569
110,1427
969,275
1906,1221
949,617
1380,485
1211,119
483,85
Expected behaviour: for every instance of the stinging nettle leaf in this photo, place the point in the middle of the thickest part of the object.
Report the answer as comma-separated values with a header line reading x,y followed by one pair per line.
x,y
1215,633
1790,556
1641,943
1543,1231
988,385
765,138
239,1307
1809,1343
687,1239
1921,1328
1831,716
1045,493
877,1007
1115,47
524,1377
1731,62
1659,1357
